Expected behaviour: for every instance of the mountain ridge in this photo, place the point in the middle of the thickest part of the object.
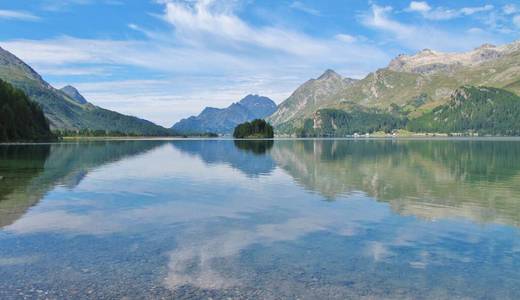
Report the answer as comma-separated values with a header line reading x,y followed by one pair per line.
x,y
308,96
64,111
413,84
224,120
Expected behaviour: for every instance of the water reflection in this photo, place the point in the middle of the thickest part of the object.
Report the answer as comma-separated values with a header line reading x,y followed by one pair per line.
x,y
238,154
219,219
478,180
30,171
255,146
19,165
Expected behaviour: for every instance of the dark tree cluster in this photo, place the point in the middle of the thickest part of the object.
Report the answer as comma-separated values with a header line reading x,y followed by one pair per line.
x,y
256,129
21,120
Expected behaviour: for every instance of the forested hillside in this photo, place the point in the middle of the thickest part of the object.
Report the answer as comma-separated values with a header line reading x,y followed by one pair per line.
x,y
20,118
63,109
337,123
481,110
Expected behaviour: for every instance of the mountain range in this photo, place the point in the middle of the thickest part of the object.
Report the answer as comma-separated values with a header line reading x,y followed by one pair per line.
x,y
67,109
409,87
419,92
224,120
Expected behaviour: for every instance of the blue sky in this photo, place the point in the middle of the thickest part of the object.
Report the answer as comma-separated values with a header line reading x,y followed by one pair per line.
x,y
167,59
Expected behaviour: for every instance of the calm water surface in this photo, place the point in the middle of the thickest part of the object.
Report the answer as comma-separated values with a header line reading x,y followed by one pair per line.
x,y
311,219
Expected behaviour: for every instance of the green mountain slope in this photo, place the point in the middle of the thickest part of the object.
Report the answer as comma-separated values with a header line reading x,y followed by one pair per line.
x,y
480,110
415,84
20,118
65,112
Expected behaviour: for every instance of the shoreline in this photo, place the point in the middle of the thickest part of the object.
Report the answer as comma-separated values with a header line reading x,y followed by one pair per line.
x,y
373,138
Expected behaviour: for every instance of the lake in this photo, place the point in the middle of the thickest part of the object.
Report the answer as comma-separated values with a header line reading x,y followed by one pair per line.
x,y
307,219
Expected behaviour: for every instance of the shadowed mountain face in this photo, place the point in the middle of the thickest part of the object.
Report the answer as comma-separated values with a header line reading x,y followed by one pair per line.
x,y
477,180
27,172
217,120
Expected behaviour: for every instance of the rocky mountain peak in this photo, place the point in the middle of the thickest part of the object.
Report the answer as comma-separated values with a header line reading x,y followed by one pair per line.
x,y
74,94
426,52
329,74
430,61
486,46
256,100
224,120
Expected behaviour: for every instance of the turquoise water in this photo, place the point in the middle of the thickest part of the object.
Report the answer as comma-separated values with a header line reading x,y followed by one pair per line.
x,y
313,219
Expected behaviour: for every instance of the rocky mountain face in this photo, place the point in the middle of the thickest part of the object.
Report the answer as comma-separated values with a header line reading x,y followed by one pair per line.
x,y
74,94
310,96
67,109
429,61
413,84
224,120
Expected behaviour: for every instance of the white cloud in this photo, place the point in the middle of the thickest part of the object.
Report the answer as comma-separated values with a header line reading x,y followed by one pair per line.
x,y
442,13
298,5
18,15
419,6
60,5
516,20
417,37
347,38
201,22
473,10
510,9
379,19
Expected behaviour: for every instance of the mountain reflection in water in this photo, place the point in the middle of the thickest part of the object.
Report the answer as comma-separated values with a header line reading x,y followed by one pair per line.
x,y
29,171
478,180
475,179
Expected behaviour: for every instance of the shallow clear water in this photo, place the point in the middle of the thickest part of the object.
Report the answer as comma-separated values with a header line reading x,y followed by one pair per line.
x,y
286,219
